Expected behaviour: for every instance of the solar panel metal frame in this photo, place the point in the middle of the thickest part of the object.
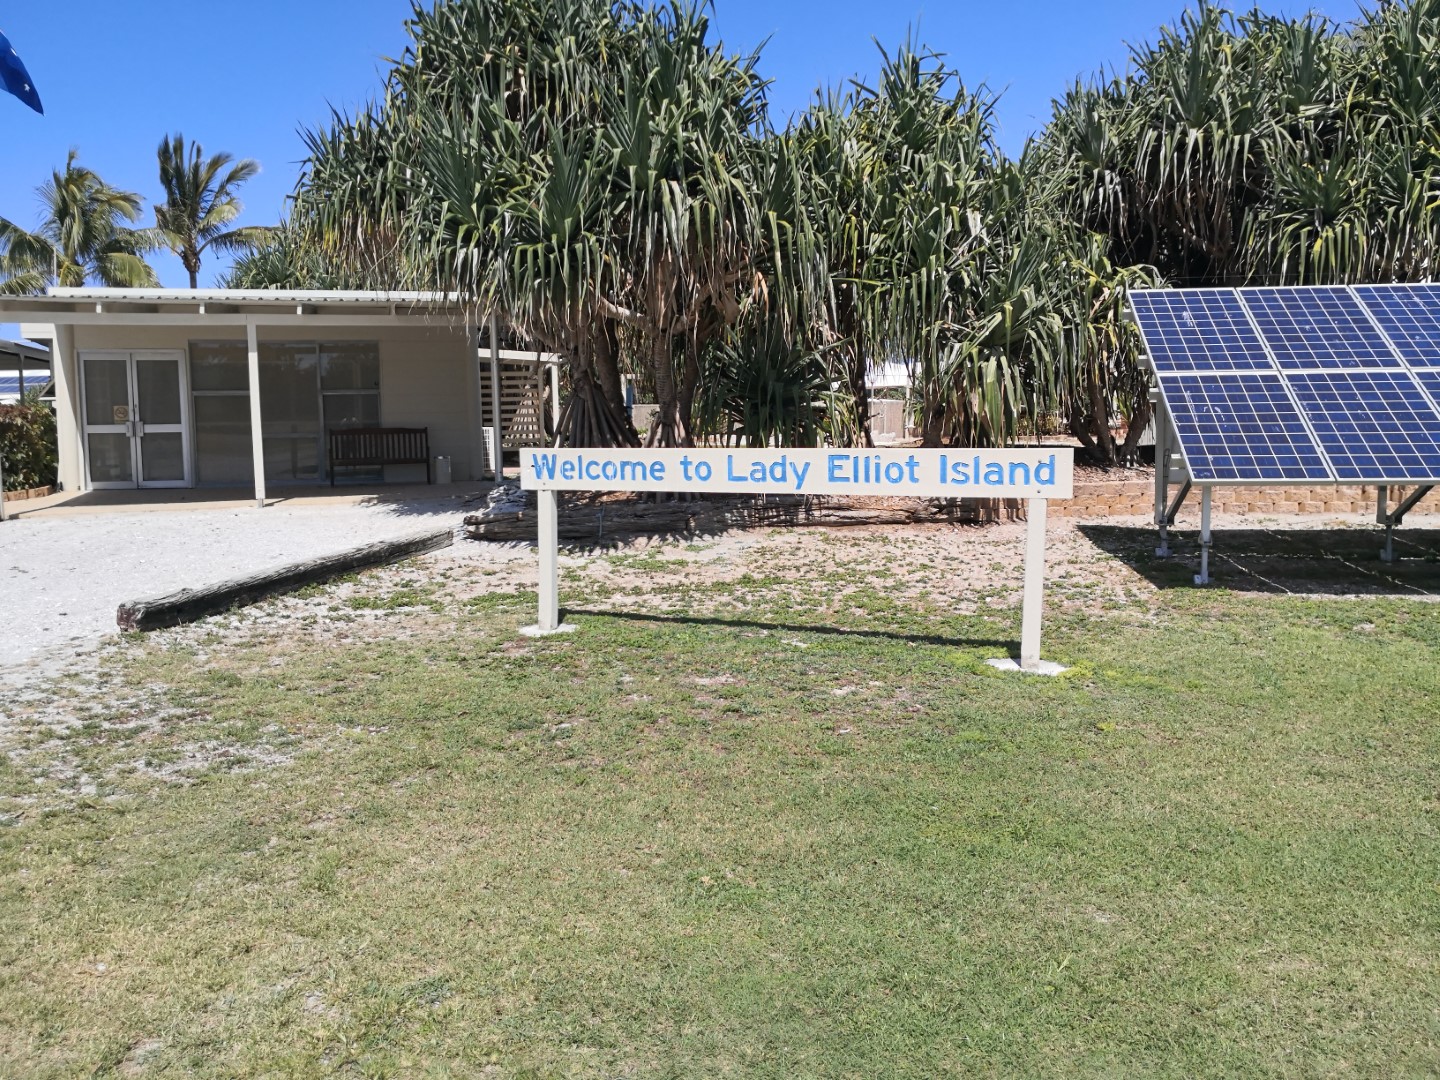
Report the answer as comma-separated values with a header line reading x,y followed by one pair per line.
x,y
1397,367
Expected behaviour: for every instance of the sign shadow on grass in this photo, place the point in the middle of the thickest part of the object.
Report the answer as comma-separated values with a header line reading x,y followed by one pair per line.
x,y
1009,644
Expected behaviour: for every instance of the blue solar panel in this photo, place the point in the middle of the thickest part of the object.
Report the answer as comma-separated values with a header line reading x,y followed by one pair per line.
x,y
1429,378
1410,317
1241,426
1197,330
1374,426
1322,327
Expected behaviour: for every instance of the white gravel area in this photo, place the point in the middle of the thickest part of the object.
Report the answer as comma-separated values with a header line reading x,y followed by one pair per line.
x,y
62,577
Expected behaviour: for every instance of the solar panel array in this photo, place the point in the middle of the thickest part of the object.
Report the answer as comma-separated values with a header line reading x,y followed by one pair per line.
x,y
1306,384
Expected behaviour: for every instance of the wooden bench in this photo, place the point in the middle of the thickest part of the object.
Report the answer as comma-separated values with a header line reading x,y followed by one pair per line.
x,y
357,447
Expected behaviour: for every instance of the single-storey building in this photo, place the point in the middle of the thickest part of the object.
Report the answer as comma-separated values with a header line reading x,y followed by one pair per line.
x,y
227,388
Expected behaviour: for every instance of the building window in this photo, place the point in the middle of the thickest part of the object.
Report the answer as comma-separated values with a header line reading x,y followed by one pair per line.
x,y
305,389
220,406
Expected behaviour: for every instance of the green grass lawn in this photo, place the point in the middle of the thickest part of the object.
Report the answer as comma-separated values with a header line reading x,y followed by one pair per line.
x,y
770,842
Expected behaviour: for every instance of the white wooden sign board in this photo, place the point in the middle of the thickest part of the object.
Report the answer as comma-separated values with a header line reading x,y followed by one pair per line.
x,y
1037,475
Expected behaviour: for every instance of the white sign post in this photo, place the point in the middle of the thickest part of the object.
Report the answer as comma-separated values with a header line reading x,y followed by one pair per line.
x,y
1036,475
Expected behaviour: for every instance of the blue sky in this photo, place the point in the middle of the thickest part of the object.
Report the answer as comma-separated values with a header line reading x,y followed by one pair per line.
x,y
116,77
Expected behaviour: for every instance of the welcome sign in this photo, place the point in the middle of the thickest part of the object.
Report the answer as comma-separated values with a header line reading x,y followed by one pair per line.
x,y
1046,473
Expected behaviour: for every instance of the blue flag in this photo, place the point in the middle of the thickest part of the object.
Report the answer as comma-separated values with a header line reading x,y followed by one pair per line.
x,y
15,77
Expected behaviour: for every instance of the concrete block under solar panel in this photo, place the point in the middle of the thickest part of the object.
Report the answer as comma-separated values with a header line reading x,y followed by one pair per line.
x,y
1197,330
1376,427
1318,328
1241,428
1410,317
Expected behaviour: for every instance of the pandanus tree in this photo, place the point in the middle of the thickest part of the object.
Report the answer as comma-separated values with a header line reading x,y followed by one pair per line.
x,y
581,168
605,178
83,237
1262,150
201,203
1241,150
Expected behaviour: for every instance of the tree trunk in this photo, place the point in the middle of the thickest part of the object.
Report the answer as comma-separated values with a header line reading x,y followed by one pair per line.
x,y
689,385
670,429
932,426
605,355
591,418
595,414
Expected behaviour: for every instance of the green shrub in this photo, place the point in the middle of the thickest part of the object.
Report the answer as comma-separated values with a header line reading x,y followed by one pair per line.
x,y
28,444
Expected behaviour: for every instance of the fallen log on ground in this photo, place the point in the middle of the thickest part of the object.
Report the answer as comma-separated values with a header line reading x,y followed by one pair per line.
x,y
187,605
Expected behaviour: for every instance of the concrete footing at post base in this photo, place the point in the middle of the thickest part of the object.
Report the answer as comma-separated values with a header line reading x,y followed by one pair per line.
x,y
1045,667
534,630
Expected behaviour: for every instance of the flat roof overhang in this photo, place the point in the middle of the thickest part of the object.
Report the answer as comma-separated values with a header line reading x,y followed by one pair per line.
x,y
237,307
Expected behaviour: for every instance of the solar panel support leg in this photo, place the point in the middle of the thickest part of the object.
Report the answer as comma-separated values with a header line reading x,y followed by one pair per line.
x,y
1203,578
1162,476
1391,518
1166,516
1382,516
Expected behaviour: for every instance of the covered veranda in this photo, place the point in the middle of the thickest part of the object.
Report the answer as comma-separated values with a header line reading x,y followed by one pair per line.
x,y
218,390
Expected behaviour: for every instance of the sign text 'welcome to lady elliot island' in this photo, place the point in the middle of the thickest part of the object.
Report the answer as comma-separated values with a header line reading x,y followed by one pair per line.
x,y
1045,473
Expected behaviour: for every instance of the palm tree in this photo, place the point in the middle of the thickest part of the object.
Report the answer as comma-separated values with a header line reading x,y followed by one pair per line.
x,y
200,203
81,237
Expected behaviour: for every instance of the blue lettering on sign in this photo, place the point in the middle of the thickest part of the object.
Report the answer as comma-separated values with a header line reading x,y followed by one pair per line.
x,y
780,471
1018,474
543,465
864,469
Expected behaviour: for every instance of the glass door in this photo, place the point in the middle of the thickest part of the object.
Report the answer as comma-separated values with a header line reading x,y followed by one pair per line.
x,y
135,430
109,437
162,436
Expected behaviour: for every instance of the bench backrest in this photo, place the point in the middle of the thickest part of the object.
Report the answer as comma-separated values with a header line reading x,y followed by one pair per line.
x,y
380,446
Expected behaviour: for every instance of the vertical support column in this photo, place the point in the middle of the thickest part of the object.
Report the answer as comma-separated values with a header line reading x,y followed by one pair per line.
x,y
1033,606
257,435
548,522
549,619
1203,578
555,400
1162,476
69,426
497,437
1382,517
4,514
476,393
